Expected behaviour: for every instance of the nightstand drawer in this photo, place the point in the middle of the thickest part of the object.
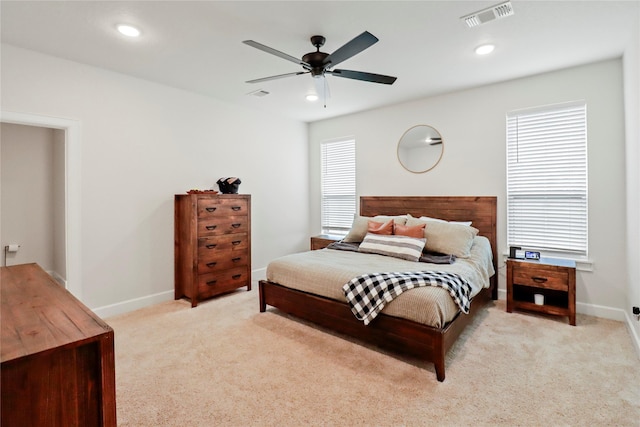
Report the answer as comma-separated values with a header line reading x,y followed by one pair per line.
x,y
541,277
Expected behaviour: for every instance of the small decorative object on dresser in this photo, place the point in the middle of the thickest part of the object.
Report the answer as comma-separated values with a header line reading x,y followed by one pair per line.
x,y
546,286
229,185
212,244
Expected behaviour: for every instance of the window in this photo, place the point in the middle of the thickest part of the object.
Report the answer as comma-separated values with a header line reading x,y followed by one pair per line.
x,y
338,185
547,179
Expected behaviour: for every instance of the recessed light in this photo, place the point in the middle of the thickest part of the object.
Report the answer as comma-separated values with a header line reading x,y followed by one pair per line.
x,y
128,30
312,97
485,49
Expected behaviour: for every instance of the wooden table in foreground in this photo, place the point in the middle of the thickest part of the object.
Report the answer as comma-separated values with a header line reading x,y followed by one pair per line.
x,y
57,356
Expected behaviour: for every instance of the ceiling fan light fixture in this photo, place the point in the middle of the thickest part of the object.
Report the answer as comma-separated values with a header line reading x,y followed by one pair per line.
x,y
485,49
128,30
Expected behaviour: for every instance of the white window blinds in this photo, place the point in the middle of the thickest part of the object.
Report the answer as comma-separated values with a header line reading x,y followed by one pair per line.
x,y
338,185
547,179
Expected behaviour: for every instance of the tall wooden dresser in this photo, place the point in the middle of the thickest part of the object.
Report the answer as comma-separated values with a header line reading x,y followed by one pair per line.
x,y
212,244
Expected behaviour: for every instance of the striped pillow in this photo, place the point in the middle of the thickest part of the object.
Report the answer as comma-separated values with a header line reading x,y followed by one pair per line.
x,y
405,247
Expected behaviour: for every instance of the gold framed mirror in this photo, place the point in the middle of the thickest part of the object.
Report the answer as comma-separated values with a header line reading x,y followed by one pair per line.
x,y
420,148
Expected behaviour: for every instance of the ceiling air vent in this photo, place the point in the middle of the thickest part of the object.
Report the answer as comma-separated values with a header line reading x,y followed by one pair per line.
x,y
483,16
259,93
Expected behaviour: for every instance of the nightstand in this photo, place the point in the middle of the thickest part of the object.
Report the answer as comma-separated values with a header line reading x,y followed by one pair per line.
x,y
545,286
323,240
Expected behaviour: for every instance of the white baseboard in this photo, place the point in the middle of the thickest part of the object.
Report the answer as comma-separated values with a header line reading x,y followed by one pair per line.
x,y
603,312
132,304
137,303
58,278
635,338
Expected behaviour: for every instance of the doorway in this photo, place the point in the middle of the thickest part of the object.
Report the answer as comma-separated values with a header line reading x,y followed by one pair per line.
x,y
69,135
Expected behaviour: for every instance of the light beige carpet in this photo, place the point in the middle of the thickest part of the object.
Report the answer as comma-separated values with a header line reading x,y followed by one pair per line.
x,y
225,364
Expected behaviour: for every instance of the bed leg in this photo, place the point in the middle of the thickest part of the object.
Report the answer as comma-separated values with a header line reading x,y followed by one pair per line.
x,y
439,365
263,305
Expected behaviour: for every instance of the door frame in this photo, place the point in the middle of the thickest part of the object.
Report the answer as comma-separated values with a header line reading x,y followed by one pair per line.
x,y
72,169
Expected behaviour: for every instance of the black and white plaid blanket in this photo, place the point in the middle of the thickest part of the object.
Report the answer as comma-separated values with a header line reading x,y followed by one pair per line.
x,y
368,294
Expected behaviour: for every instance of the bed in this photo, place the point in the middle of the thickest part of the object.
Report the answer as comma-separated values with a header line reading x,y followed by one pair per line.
x,y
390,330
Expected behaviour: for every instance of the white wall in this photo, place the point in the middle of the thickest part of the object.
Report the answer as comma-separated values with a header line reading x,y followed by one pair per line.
x,y
472,124
142,143
632,120
58,208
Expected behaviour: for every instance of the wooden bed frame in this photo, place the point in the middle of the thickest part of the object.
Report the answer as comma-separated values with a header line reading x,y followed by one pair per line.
x,y
400,335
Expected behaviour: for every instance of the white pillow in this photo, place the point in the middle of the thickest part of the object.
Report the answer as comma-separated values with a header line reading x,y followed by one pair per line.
x,y
427,218
404,247
447,237
360,226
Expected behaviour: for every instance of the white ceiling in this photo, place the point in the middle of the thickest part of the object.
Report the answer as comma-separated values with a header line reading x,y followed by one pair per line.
x,y
197,45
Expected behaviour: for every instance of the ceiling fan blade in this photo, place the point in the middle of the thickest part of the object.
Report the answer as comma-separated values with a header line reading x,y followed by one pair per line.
x,y
351,48
275,52
279,76
367,77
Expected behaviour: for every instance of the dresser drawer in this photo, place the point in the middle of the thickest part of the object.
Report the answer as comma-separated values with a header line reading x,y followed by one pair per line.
x,y
224,243
541,276
216,207
215,226
214,283
221,261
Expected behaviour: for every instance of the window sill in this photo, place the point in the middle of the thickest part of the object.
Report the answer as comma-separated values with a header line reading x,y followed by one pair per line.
x,y
582,264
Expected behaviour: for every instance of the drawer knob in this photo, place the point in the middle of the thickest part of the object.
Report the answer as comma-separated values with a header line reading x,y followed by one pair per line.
x,y
235,208
236,242
236,259
211,209
539,279
211,264
211,246
236,225
236,276
211,227
211,282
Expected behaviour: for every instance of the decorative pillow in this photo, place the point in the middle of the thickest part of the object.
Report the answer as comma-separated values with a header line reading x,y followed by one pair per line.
x,y
404,230
428,218
380,227
361,223
446,237
404,247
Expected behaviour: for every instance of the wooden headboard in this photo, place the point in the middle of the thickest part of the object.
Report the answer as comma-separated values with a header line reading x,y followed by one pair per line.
x,y
481,210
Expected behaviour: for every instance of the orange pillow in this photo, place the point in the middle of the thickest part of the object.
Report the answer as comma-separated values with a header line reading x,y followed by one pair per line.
x,y
380,228
415,231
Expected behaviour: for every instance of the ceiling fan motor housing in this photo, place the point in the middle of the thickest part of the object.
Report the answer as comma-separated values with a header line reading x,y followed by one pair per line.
x,y
316,59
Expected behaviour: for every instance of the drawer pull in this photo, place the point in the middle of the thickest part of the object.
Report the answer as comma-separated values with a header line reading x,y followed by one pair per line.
x,y
236,276
211,209
236,225
211,246
211,227
236,259
211,264
211,282
539,279
236,242
236,208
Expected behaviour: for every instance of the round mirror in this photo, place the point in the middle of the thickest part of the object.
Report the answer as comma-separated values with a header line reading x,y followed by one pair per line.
x,y
420,149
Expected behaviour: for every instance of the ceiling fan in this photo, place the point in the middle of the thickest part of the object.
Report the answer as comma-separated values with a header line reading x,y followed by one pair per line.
x,y
319,64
